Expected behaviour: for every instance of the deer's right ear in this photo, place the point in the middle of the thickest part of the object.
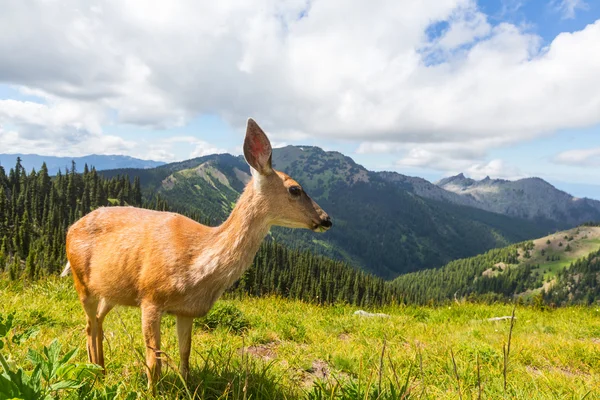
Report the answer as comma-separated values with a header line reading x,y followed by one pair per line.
x,y
257,149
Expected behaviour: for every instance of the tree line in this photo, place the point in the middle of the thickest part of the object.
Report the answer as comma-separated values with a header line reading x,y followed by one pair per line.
x,y
36,211
578,284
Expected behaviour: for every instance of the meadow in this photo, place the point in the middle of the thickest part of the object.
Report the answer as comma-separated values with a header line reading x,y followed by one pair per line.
x,y
272,348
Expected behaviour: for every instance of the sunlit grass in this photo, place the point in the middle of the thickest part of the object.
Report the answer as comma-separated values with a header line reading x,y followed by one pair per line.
x,y
292,349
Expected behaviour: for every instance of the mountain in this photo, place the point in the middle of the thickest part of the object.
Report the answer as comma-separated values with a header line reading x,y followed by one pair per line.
x,y
563,267
101,162
529,198
424,188
378,225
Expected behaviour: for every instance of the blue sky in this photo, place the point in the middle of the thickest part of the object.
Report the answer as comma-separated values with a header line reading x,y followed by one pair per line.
x,y
427,88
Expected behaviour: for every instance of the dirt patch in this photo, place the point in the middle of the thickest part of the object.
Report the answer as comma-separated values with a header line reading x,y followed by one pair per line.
x,y
533,370
562,370
548,285
266,351
320,369
208,172
596,340
343,337
242,176
169,182
491,271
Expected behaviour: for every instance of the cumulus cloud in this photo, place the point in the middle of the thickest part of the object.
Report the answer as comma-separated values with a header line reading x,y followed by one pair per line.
x,y
58,127
579,157
340,69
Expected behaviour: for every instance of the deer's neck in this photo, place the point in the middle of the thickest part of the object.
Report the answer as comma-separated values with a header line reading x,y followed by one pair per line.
x,y
235,243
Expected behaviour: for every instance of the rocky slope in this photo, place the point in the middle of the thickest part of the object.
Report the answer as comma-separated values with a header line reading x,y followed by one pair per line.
x,y
529,198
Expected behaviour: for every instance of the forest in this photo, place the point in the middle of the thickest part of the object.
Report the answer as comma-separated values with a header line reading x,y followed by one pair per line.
x,y
36,211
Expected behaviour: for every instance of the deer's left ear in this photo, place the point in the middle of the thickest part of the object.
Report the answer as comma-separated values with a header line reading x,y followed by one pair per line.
x,y
257,149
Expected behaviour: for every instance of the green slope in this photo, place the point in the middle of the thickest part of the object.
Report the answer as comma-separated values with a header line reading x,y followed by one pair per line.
x,y
542,265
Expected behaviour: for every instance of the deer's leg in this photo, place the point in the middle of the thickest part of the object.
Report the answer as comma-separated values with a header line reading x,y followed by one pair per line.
x,y
90,306
184,337
103,308
151,316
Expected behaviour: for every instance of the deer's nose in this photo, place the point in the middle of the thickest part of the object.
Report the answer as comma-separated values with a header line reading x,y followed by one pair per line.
x,y
326,223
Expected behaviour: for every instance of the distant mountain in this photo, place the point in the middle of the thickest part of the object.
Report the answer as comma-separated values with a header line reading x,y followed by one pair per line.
x,y
101,162
378,225
529,198
424,188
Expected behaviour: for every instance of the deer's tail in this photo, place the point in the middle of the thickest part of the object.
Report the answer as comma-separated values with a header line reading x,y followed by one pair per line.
x,y
67,270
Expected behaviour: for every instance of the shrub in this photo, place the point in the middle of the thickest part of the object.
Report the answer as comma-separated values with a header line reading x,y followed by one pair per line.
x,y
226,316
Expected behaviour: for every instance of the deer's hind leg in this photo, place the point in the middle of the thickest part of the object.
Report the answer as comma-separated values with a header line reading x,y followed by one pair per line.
x,y
90,306
103,308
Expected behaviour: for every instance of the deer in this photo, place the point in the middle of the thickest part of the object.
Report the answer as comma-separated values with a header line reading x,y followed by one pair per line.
x,y
164,262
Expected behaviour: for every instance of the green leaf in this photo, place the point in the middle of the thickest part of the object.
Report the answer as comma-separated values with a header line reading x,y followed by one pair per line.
x,y
66,384
68,357
53,351
34,357
6,324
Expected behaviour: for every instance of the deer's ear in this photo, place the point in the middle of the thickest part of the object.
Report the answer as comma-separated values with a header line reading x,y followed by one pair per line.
x,y
257,149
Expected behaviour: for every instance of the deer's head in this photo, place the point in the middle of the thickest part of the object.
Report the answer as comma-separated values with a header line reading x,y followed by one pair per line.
x,y
286,203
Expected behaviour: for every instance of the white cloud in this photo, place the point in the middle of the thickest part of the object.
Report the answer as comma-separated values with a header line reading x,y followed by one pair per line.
x,y
58,127
579,157
454,158
204,149
494,169
568,7
163,149
345,69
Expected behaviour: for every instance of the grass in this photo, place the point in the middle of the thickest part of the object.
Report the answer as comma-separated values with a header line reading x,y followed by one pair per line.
x,y
289,349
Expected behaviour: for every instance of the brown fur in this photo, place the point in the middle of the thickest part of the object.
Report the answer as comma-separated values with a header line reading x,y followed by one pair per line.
x,y
165,262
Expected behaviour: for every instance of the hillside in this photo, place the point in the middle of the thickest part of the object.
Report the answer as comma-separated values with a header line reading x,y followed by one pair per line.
x,y
378,225
529,198
532,267
100,162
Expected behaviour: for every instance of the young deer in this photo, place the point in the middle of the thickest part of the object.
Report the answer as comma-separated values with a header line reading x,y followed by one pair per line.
x,y
165,262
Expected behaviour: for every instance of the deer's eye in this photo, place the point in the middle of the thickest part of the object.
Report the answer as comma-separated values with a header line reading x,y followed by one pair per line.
x,y
295,191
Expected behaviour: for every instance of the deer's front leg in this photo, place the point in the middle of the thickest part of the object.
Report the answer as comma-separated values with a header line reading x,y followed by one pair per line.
x,y
184,336
151,316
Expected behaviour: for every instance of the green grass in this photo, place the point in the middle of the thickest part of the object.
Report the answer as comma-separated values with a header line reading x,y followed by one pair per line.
x,y
296,350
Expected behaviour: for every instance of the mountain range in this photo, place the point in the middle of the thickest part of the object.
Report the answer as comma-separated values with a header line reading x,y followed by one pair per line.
x,y
529,198
385,222
54,164
380,226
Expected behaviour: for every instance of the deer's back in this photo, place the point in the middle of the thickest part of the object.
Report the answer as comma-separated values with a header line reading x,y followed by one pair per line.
x,y
126,254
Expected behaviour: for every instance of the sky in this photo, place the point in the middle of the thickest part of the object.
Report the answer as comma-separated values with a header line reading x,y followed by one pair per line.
x,y
430,88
